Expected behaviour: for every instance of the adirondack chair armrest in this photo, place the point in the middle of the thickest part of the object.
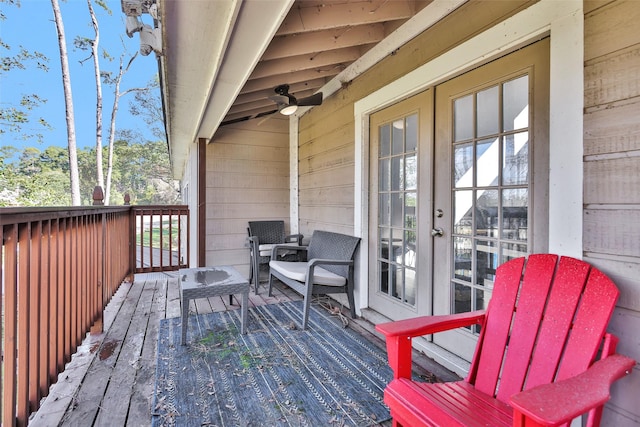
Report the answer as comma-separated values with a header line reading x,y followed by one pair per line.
x,y
398,335
557,403
291,238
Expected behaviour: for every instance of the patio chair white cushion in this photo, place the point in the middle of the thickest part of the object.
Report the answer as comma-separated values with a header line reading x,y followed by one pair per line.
x,y
265,250
298,271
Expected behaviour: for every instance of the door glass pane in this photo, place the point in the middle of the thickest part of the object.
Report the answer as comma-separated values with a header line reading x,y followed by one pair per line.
x,y
397,201
463,165
411,135
397,144
463,118
488,158
462,252
487,262
516,104
397,173
487,213
397,196
410,218
384,175
385,140
384,209
410,286
487,101
411,172
463,219
515,168
514,214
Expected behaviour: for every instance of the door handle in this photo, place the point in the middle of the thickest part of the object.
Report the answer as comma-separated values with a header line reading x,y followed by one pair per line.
x,y
437,232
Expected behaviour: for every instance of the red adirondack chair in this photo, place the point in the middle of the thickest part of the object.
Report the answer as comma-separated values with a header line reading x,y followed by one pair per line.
x,y
534,361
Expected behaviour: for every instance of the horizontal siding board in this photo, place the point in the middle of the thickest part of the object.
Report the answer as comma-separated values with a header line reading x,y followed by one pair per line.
x,y
615,78
334,177
248,152
612,130
612,231
238,225
254,196
328,214
274,166
243,181
608,28
341,156
614,181
342,196
228,211
624,273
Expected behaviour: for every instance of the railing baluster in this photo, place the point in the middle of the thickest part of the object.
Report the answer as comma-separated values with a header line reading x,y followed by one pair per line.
x,y
34,314
9,383
24,240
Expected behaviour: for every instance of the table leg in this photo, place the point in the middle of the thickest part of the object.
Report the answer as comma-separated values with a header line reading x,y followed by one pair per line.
x,y
244,309
185,319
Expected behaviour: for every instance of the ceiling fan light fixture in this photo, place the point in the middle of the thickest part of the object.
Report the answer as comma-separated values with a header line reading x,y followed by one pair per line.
x,y
288,110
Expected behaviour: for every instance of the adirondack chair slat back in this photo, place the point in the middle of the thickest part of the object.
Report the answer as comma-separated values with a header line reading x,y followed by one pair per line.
x,y
546,321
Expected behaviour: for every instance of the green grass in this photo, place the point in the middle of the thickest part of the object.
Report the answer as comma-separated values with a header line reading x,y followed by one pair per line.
x,y
168,233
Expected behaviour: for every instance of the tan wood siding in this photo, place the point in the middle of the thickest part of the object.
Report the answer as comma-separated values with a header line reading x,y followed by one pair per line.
x,y
326,144
611,234
247,178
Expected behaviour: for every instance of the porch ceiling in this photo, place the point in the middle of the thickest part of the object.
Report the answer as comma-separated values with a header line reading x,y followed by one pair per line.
x,y
222,59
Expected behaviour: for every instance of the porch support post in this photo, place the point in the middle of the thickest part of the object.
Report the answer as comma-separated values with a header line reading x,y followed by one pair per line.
x,y
202,202
294,214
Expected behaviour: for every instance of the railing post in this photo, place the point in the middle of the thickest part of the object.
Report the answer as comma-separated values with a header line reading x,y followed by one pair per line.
x,y
98,196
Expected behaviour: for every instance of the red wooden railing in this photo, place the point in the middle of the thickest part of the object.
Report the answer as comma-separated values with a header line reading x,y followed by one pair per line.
x,y
59,267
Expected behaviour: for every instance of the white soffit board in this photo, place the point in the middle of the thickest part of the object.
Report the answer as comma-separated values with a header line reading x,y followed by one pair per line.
x,y
255,27
195,37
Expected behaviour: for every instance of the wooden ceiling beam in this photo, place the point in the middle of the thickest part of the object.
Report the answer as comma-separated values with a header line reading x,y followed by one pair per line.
x,y
321,41
302,19
271,82
321,60
267,92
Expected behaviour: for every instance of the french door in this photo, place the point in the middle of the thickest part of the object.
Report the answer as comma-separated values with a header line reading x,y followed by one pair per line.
x,y
459,177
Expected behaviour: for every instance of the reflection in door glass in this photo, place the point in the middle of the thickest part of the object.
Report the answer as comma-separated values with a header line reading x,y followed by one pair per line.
x,y
490,191
397,216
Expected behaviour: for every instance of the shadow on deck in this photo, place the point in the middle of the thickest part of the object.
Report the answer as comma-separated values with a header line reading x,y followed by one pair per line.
x,y
110,379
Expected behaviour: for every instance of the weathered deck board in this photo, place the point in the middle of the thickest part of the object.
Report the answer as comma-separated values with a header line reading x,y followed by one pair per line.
x,y
110,381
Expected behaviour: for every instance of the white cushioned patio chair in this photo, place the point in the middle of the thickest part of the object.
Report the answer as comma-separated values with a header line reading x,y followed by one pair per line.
x,y
328,269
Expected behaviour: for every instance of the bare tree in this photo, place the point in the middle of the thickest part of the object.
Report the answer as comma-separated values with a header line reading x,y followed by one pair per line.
x,y
114,112
96,67
66,82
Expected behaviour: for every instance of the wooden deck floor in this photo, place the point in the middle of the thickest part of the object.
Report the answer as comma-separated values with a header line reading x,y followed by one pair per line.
x,y
110,380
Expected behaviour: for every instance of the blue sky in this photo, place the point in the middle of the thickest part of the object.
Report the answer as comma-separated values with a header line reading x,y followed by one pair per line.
x,y
31,25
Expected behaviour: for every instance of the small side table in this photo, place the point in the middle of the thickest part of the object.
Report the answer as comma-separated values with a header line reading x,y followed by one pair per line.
x,y
207,282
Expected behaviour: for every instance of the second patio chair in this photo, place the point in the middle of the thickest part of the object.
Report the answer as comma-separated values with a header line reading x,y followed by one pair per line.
x,y
263,236
328,269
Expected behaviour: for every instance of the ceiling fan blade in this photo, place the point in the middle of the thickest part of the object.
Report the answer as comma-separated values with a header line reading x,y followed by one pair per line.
x,y
280,99
315,99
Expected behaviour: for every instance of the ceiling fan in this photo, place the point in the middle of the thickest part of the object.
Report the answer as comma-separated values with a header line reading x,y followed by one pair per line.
x,y
288,104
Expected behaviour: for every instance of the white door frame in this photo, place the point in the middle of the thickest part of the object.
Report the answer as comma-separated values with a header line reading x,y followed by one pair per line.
x,y
563,21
